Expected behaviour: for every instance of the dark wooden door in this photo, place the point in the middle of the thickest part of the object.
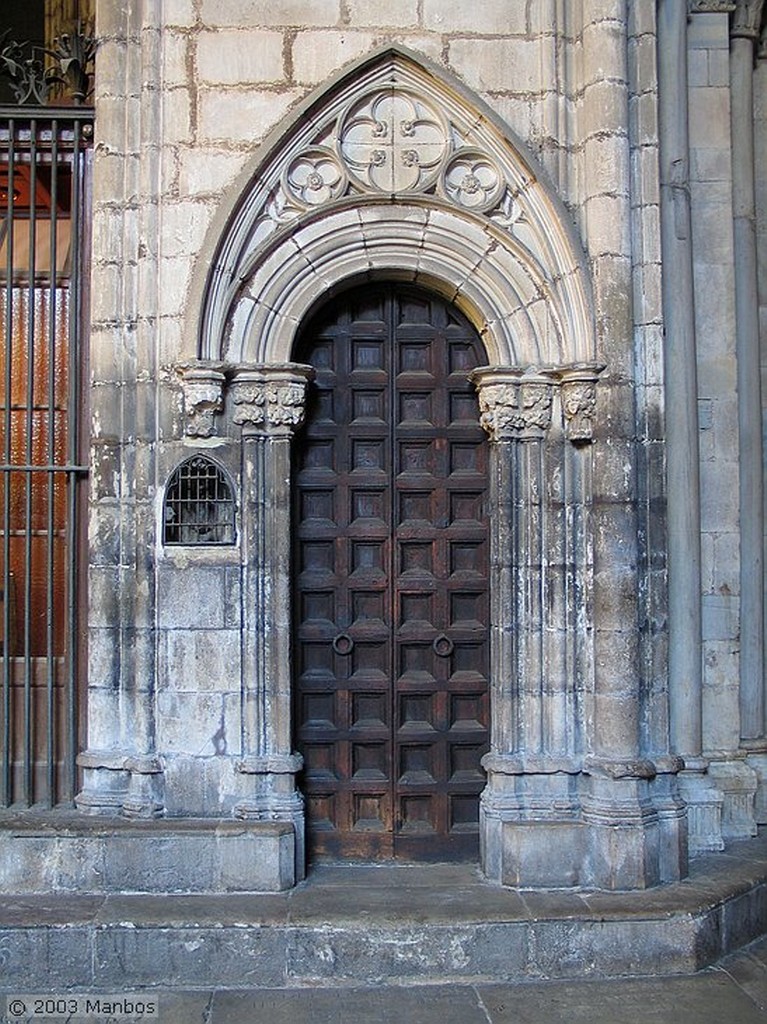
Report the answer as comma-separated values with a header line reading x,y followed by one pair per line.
x,y
390,580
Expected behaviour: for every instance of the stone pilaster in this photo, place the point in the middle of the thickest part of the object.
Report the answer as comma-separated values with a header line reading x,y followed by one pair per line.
x,y
531,798
268,404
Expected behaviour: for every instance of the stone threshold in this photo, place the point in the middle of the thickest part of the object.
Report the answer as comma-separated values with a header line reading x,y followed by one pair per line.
x,y
400,924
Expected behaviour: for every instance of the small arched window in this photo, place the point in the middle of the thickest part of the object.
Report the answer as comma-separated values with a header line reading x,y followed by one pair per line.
x,y
199,505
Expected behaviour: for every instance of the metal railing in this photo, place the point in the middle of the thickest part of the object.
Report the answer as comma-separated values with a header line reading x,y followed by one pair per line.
x,y
44,241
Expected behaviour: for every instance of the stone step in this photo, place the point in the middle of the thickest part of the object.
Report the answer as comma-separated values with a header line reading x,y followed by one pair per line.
x,y
351,925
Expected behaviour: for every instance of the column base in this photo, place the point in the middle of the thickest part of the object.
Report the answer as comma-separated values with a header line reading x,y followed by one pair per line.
x,y
105,782
758,763
738,784
562,829
704,810
275,798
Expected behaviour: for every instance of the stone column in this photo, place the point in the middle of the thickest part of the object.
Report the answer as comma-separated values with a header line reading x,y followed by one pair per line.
x,y
681,422
269,406
744,35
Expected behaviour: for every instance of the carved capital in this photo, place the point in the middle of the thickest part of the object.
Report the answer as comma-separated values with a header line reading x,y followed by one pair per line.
x,y
579,400
711,6
203,384
514,403
747,19
269,399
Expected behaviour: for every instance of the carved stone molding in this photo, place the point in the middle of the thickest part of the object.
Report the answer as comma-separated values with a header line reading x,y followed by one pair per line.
x,y
269,399
514,404
203,384
579,400
271,764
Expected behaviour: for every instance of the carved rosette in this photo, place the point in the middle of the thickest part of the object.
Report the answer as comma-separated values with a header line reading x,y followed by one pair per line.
x,y
269,399
203,386
579,400
472,180
514,404
315,177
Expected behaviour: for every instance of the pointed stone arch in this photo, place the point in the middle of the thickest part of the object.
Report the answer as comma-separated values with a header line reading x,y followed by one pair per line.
x,y
394,170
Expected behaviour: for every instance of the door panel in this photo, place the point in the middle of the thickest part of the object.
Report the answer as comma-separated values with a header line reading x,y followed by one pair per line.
x,y
391,596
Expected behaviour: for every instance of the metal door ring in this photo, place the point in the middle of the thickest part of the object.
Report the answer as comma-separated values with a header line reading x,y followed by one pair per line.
x,y
343,644
443,646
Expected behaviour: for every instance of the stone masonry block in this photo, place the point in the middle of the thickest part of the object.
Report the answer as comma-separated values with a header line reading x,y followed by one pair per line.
x,y
66,955
498,65
192,597
719,495
174,273
370,13
491,17
710,117
597,11
708,31
318,54
709,164
409,954
199,660
207,172
697,69
604,50
559,949
129,956
183,227
179,12
721,617
243,13
606,165
720,695
236,116
201,724
175,53
110,68
231,58
726,563
176,115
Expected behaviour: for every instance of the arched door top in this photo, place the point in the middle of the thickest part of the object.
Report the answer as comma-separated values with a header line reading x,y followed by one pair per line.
x,y
394,170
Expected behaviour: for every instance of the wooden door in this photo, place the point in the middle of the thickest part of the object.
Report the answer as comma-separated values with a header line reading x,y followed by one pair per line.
x,y
391,580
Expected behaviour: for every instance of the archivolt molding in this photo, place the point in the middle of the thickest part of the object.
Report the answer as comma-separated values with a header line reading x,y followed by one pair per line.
x,y
393,172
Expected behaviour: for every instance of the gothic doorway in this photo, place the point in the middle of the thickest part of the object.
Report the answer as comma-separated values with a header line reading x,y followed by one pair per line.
x,y
390,591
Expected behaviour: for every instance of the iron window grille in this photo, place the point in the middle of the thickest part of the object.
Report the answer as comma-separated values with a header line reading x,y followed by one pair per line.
x,y
199,505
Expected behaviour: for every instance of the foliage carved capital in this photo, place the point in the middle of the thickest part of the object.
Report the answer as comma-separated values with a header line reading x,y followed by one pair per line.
x,y
202,382
269,399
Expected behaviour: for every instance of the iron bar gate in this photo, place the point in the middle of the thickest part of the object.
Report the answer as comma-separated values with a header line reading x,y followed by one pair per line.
x,y
44,229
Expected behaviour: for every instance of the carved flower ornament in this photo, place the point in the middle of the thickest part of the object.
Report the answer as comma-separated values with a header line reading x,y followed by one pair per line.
x,y
472,180
315,177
